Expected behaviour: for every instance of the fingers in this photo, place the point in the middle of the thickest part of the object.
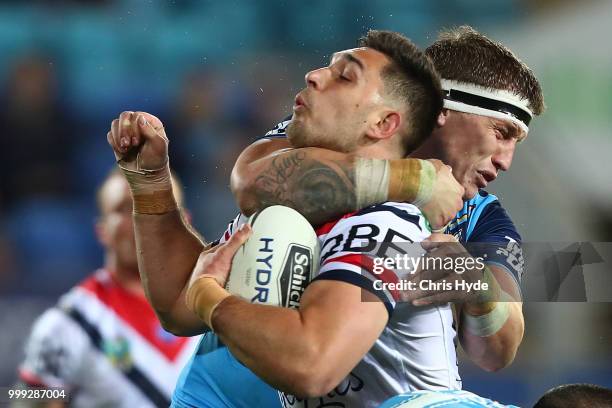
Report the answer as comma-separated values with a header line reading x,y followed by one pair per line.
x,y
430,245
147,130
125,130
230,248
440,237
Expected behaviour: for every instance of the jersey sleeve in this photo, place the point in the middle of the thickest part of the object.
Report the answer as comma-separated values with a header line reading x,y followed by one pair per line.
x,y
496,239
232,226
53,352
355,247
278,131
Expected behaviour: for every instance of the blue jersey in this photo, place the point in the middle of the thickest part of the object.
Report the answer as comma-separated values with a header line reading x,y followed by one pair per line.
x,y
441,399
214,378
488,232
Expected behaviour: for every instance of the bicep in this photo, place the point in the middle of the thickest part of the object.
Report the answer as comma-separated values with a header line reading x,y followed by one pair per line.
x,y
249,165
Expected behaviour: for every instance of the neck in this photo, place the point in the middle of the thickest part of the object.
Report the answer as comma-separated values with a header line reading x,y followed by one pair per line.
x,y
384,149
126,277
427,150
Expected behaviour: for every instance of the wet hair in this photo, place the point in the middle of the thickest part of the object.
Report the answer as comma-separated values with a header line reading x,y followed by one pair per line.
x,y
411,79
465,55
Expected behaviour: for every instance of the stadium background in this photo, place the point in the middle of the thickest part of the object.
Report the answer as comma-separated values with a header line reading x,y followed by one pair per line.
x,y
221,73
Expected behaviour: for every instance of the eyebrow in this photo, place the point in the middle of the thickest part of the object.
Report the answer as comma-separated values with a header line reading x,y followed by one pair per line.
x,y
349,58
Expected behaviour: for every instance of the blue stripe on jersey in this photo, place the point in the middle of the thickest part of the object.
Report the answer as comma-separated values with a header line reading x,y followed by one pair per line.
x,y
483,220
480,204
344,275
403,214
441,399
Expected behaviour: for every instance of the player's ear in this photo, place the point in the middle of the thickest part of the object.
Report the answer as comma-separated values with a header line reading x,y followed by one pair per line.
x,y
386,125
442,117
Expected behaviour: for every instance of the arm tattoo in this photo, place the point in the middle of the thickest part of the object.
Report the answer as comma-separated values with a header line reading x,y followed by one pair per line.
x,y
319,190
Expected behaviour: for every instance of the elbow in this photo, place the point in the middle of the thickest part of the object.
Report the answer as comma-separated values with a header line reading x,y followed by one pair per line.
x,y
244,191
171,327
314,376
498,363
174,327
312,383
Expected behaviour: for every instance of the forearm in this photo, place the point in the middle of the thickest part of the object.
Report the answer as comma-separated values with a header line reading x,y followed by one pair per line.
x,y
167,252
322,184
318,183
305,352
494,352
273,342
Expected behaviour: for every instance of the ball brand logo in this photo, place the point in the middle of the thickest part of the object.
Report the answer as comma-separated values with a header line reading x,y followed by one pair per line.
x,y
264,270
296,274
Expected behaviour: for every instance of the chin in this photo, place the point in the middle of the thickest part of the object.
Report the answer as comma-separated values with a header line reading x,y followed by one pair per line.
x,y
297,135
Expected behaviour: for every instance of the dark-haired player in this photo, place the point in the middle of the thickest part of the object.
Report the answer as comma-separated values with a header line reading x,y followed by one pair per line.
x,y
378,102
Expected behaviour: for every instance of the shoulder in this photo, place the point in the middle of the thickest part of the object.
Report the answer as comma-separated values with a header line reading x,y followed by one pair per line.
x,y
493,223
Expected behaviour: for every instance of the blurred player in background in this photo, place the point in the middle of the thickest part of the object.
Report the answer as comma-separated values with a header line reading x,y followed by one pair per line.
x,y
102,343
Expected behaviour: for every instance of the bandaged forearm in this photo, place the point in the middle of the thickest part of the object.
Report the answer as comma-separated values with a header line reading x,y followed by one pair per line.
x,y
203,297
407,180
151,190
489,323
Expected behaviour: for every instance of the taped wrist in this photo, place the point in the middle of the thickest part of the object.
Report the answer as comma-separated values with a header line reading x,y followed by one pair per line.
x,y
406,180
151,190
411,180
490,323
371,181
203,297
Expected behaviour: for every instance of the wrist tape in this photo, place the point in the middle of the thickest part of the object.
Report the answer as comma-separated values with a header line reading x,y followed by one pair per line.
x,y
490,323
404,180
151,190
203,297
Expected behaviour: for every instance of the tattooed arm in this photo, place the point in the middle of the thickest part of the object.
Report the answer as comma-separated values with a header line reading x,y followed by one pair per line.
x,y
319,183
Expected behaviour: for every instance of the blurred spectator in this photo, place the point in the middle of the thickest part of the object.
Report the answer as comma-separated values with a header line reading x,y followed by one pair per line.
x,y
36,134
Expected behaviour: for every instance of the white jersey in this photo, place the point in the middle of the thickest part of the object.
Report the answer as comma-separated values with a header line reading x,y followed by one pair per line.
x,y
416,350
105,346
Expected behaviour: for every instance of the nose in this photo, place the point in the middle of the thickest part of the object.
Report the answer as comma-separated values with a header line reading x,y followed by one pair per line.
x,y
317,79
502,160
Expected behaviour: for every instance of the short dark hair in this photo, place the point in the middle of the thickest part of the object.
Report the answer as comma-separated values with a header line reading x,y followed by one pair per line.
x,y
576,396
465,55
410,78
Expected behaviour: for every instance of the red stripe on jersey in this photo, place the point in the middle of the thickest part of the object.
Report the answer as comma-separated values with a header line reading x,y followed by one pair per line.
x,y
365,262
227,235
30,378
325,228
134,310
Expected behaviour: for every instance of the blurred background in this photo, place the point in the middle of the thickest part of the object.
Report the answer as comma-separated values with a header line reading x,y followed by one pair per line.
x,y
220,74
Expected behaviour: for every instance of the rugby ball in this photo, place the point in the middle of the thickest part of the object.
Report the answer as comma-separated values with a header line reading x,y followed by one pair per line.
x,y
278,261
